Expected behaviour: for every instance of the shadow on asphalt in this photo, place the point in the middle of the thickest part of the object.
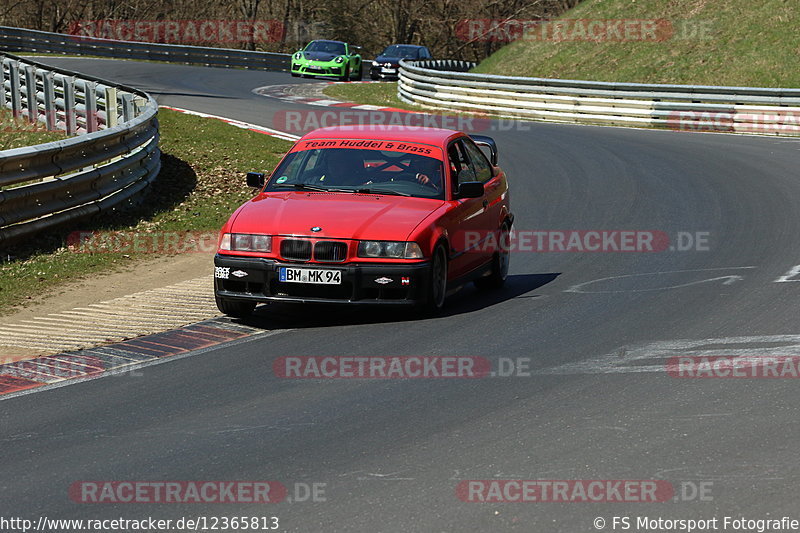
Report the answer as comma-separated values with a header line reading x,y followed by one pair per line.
x,y
199,95
466,300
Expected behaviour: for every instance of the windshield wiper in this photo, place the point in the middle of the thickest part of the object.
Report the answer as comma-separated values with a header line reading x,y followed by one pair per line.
x,y
306,187
381,191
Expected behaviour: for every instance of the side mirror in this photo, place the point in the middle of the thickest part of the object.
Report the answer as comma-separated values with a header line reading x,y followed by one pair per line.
x,y
470,189
256,179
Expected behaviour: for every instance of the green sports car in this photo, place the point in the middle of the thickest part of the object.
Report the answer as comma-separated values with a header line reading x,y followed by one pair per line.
x,y
331,59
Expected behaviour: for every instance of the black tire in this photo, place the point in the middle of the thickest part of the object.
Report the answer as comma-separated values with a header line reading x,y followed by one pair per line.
x,y
358,73
346,75
295,75
374,77
497,278
437,282
235,308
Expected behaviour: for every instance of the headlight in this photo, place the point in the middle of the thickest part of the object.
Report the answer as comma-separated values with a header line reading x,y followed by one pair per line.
x,y
387,64
375,64
339,59
245,242
298,55
392,249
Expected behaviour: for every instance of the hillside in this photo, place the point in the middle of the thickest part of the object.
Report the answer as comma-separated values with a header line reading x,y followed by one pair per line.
x,y
707,42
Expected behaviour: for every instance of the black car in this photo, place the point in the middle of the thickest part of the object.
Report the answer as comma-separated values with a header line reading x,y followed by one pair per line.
x,y
385,66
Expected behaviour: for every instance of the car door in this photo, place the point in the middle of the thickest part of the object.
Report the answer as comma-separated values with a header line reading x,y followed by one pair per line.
x,y
467,221
495,188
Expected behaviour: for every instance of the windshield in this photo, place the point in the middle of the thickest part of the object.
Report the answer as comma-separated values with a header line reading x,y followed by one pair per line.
x,y
330,47
398,50
402,172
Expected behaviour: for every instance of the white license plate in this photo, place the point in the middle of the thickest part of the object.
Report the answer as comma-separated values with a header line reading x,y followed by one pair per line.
x,y
310,275
314,68
388,70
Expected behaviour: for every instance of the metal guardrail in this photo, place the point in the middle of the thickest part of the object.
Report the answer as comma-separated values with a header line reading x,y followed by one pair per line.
x,y
114,156
448,85
24,40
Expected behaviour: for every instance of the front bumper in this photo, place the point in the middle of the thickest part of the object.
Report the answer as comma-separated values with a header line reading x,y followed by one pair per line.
x,y
407,283
380,72
318,69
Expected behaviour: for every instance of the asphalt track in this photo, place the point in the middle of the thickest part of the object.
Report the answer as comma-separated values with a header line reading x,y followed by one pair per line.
x,y
391,452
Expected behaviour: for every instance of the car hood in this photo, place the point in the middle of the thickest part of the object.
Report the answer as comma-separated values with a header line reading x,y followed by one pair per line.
x,y
388,59
319,56
340,215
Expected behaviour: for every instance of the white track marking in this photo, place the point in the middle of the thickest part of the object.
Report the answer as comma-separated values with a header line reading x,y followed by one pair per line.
x,y
730,279
793,273
122,318
653,356
324,102
240,124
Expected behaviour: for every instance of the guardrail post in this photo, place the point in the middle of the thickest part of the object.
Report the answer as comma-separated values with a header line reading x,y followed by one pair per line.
x,y
16,97
112,107
139,104
3,95
90,100
70,115
49,101
30,93
128,111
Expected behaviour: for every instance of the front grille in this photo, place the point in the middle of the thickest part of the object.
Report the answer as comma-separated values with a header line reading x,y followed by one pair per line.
x,y
330,251
296,250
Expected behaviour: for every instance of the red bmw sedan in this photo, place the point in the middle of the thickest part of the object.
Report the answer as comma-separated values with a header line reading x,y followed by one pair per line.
x,y
389,215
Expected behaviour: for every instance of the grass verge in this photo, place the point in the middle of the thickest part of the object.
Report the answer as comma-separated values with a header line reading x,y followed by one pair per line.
x,y
383,94
201,182
712,42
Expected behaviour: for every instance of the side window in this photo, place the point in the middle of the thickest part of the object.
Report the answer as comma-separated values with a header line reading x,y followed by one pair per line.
x,y
458,161
480,165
